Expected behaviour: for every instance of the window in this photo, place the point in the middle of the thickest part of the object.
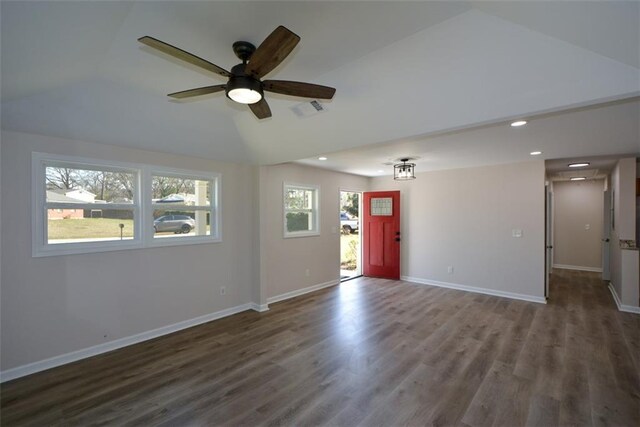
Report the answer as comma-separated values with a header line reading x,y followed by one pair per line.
x,y
181,205
301,212
88,205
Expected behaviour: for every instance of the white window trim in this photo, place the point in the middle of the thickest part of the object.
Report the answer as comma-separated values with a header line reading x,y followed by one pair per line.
x,y
142,207
214,208
316,202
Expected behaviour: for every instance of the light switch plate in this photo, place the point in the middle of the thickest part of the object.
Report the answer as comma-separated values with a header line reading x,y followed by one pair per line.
x,y
516,232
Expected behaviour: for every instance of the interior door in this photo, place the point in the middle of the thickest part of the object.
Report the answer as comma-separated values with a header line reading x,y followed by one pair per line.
x,y
548,239
606,236
381,234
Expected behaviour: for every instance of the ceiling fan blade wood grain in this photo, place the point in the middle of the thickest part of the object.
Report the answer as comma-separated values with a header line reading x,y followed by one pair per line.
x,y
273,50
183,55
307,90
261,109
197,92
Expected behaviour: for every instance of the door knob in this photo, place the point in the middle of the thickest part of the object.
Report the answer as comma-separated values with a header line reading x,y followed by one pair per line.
x,y
397,239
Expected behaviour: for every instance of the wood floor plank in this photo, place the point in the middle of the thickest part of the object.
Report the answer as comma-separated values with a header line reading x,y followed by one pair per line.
x,y
367,352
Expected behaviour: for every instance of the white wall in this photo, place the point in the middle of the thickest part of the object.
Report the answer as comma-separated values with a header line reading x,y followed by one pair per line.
x,y
578,221
56,305
286,260
624,262
464,218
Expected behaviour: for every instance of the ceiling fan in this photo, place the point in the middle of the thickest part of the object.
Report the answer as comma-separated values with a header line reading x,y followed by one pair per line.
x,y
244,85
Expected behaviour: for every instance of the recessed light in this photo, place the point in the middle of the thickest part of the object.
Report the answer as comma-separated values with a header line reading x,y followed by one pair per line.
x,y
322,158
578,165
518,123
380,171
535,153
578,178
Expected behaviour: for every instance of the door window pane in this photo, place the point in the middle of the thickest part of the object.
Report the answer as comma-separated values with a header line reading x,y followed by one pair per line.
x,y
381,206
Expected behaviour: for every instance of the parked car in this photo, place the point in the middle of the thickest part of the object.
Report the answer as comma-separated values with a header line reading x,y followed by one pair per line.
x,y
175,223
348,225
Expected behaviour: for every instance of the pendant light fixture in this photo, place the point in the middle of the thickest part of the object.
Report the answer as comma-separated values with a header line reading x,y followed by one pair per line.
x,y
404,171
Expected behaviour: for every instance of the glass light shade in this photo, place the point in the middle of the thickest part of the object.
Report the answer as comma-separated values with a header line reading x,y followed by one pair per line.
x,y
245,96
404,171
244,90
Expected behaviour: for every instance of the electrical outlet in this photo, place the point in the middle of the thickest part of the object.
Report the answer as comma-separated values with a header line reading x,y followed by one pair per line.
x,y
223,290
450,269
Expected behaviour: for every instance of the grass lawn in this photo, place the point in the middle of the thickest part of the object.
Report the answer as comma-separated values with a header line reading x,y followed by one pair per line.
x,y
89,228
349,247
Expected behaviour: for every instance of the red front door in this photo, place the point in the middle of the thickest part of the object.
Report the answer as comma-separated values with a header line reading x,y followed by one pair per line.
x,y
381,231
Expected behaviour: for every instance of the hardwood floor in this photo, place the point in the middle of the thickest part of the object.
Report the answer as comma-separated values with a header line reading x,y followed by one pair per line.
x,y
368,352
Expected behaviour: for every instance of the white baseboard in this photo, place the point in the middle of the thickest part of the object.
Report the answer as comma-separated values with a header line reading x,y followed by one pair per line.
x,y
627,308
260,308
486,291
302,291
84,353
578,267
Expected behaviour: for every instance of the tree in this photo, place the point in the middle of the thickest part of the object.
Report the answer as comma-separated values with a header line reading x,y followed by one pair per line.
x,y
163,186
62,178
350,203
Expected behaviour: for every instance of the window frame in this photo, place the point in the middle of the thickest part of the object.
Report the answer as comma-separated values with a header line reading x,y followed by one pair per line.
x,y
141,206
213,209
315,210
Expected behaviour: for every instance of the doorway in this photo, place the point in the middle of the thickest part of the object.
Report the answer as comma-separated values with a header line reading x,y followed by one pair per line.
x,y
350,235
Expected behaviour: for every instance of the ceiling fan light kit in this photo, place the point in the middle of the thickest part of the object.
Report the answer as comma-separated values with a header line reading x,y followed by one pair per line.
x,y
244,85
404,171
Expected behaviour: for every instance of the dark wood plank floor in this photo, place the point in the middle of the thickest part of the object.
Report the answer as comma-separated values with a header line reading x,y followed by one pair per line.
x,y
367,352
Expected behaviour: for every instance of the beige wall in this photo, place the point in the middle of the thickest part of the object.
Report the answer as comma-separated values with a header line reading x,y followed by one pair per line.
x,y
285,261
578,220
464,218
624,263
55,305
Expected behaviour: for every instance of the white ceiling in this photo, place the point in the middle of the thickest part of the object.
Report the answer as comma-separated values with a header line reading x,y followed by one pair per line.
x,y
404,71
610,128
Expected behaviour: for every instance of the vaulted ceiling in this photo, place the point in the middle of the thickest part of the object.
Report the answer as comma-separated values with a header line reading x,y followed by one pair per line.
x,y
405,73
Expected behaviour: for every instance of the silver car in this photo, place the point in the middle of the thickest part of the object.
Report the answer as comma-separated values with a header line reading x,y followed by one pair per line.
x,y
175,223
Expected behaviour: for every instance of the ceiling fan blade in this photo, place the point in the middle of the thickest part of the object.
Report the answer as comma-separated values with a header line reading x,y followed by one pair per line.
x,y
261,109
198,91
307,90
273,50
183,55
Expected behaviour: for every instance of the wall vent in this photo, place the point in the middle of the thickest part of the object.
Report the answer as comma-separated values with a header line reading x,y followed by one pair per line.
x,y
307,109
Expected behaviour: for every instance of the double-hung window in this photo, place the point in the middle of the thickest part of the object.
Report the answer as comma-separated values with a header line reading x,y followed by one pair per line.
x,y
88,205
183,205
301,212
83,205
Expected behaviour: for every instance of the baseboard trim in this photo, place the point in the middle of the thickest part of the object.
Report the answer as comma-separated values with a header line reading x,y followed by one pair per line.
x,y
260,308
63,359
302,291
577,267
621,307
486,291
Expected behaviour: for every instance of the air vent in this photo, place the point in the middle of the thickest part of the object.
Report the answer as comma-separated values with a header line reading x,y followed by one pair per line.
x,y
307,109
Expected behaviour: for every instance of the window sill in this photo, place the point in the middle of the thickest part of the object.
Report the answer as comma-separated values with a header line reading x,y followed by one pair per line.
x,y
301,234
